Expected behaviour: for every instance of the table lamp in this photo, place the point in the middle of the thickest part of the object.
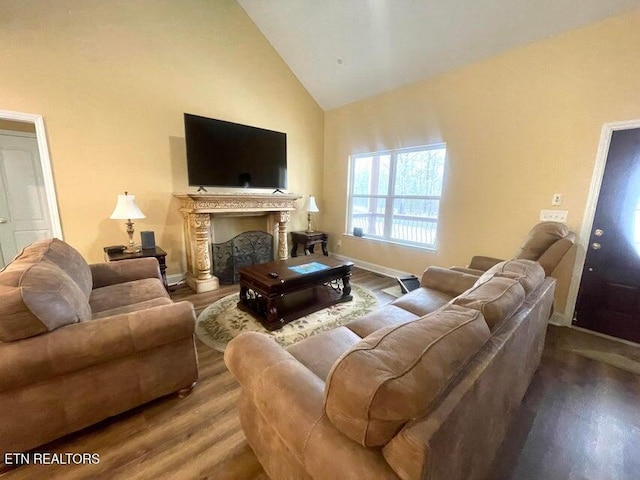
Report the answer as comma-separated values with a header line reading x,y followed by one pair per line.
x,y
127,209
310,206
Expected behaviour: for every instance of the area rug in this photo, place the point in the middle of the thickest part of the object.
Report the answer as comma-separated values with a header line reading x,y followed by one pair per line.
x,y
223,320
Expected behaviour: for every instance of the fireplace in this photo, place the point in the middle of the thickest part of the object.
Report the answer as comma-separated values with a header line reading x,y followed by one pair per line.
x,y
197,210
248,248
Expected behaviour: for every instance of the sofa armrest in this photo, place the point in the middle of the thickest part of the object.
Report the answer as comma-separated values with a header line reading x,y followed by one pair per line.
x,y
470,271
447,281
291,397
111,273
81,345
479,262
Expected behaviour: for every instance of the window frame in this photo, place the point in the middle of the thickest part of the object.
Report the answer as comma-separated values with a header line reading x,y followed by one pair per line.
x,y
390,196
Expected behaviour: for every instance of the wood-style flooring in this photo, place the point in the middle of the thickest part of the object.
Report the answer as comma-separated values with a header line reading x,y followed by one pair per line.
x,y
580,420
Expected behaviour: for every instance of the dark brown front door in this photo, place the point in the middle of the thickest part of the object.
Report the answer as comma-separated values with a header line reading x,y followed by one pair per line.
x,y
609,295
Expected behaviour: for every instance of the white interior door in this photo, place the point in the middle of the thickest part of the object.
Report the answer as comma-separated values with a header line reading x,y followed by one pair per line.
x,y
24,213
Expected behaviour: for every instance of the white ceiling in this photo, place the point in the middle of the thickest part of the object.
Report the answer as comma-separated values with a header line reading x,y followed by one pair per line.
x,y
384,44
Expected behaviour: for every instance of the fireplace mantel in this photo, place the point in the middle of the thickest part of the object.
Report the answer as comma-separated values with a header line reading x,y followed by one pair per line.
x,y
197,210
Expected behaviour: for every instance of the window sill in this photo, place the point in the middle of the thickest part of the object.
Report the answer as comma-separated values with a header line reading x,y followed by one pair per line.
x,y
396,243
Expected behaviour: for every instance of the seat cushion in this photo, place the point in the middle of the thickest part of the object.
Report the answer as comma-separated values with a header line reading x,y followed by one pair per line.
x,y
134,307
394,374
422,301
36,298
497,299
383,317
127,293
319,352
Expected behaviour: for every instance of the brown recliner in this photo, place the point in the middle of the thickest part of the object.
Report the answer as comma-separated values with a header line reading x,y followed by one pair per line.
x,y
80,343
547,243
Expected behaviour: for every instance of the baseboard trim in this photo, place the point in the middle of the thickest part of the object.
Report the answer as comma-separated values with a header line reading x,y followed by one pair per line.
x,y
559,320
174,278
372,267
604,335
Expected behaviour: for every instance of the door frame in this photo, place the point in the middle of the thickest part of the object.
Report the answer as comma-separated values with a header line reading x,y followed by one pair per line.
x,y
45,164
582,243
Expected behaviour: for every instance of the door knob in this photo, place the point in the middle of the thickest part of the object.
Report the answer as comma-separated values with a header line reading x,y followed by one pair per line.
x,y
3,220
596,246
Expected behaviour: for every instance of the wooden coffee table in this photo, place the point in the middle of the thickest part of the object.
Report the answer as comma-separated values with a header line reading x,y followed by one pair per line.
x,y
279,292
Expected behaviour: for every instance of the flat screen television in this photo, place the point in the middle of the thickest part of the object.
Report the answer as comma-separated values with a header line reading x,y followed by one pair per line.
x,y
226,154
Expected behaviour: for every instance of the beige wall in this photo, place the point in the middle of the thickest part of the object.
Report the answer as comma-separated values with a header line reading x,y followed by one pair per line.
x,y
112,80
518,127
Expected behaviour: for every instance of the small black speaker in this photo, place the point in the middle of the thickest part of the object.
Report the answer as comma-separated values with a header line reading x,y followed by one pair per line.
x,y
357,232
148,240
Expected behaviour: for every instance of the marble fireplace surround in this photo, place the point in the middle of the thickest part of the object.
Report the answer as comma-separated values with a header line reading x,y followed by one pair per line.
x,y
197,210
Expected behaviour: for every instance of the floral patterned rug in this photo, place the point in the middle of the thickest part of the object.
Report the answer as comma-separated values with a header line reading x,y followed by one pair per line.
x,y
223,320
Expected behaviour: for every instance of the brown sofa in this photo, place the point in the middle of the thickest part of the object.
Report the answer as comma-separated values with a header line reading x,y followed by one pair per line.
x,y
423,388
80,343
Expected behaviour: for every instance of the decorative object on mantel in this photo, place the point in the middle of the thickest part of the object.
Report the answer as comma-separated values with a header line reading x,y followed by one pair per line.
x,y
310,206
198,209
127,209
223,320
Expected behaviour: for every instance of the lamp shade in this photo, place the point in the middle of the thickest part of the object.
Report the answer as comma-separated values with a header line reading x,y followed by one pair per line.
x,y
126,208
310,204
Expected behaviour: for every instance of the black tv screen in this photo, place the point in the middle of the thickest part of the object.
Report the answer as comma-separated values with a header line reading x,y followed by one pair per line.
x,y
226,154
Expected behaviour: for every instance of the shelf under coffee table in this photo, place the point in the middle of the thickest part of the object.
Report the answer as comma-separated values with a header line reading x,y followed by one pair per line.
x,y
303,285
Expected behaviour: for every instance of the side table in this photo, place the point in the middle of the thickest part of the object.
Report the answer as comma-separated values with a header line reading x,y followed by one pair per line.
x,y
157,252
309,240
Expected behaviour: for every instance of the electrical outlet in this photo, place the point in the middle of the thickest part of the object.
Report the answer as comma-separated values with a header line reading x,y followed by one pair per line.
x,y
556,200
339,244
554,216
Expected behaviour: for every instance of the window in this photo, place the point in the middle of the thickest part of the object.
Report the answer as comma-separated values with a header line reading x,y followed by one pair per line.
x,y
395,195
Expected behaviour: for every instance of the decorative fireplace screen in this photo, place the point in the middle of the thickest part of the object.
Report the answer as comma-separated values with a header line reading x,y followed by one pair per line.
x,y
248,248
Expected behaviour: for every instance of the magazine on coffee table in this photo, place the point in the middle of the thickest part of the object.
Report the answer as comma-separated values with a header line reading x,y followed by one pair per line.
x,y
308,267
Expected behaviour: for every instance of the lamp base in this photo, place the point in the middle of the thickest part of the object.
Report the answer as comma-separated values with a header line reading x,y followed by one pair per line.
x,y
308,230
132,249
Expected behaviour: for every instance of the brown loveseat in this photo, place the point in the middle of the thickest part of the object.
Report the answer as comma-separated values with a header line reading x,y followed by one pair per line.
x,y
80,343
423,388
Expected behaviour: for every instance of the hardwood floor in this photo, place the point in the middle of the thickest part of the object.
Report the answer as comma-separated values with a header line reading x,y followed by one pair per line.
x,y
580,420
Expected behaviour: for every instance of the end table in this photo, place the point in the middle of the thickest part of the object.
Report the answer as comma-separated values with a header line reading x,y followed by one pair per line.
x,y
309,240
157,252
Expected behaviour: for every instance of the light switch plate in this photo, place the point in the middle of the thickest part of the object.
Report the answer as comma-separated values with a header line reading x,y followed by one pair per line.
x,y
554,216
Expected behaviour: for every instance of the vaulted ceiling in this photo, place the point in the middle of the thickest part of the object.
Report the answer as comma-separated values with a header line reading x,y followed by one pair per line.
x,y
347,50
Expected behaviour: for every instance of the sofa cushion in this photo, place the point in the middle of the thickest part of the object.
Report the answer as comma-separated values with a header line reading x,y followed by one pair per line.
x,y
128,293
67,258
134,307
319,352
528,273
422,301
36,298
383,317
540,238
497,299
394,374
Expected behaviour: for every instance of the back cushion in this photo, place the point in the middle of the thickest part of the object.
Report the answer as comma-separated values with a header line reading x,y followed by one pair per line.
x,y
394,374
497,299
64,256
528,273
540,238
37,296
